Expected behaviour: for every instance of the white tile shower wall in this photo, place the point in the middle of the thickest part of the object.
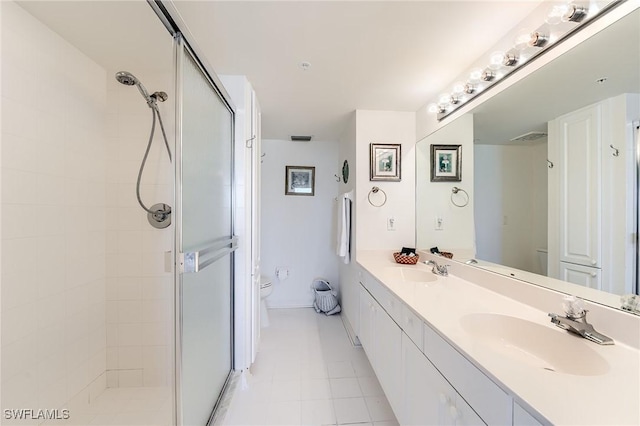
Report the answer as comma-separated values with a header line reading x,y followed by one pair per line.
x,y
139,291
53,217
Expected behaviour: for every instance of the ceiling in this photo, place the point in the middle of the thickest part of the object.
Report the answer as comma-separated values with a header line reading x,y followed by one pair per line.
x,y
380,55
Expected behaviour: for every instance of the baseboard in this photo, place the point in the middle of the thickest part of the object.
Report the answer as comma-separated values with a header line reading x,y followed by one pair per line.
x,y
350,333
290,306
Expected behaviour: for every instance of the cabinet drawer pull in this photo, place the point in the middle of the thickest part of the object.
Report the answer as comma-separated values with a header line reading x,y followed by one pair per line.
x,y
443,398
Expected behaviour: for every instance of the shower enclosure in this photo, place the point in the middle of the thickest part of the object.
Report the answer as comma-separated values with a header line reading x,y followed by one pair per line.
x,y
117,238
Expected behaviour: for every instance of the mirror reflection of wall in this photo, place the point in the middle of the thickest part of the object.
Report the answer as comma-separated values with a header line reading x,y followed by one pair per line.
x,y
511,203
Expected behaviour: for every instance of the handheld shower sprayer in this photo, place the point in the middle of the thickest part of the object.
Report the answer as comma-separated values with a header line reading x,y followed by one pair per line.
x,y
159,215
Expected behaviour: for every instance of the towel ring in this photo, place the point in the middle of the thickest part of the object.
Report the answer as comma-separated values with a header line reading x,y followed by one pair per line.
x,y
375,190
455,190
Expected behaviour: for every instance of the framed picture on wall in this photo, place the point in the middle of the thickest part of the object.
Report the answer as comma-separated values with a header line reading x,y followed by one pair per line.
x,y
446,163
300,180
385,162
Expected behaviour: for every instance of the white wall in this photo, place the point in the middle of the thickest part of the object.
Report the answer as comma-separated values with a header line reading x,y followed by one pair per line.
x,y
53,217
511,203
369,223
386,127
433,199
298,232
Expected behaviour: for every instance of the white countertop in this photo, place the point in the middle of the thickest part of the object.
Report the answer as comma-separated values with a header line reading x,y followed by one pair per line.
x,y
612,398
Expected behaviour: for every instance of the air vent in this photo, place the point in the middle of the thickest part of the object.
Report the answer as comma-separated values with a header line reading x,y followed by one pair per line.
x,y
527,137
301,138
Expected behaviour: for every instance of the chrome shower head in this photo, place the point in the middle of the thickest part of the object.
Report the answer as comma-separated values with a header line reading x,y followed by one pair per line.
x,y
129,79
126,78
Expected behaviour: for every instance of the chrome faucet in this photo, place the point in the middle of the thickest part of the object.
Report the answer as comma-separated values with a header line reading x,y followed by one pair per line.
x,y
575,321
442,270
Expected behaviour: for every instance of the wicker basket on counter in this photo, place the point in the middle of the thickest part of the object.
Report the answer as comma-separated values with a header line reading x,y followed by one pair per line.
x,y
404,259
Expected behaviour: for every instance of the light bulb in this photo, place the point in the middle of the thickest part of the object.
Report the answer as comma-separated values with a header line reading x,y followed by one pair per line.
x,y
521,41
538,39
444,99
469,88
556,13
475,75
495,60
510,60
574,13
488,75
458,88
432,108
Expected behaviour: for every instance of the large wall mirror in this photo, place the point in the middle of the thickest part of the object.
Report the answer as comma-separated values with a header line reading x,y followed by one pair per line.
x,y
556,158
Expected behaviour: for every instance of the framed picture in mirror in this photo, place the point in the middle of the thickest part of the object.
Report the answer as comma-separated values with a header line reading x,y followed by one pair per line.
x,y
446,163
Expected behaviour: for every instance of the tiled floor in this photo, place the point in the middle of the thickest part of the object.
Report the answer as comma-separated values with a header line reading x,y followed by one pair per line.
x,y
308,373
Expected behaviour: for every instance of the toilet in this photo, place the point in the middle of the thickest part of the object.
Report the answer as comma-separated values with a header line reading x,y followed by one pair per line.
x,y
266,287
542,260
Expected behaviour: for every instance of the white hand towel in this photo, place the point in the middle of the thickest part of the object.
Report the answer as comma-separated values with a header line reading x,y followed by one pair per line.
x,y
343,242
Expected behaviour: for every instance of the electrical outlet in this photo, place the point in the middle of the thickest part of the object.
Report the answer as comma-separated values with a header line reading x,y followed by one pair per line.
x,y
439,224
391,224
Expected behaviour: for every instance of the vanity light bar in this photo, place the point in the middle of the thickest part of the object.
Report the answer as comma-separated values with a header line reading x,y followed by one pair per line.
x,y
503,64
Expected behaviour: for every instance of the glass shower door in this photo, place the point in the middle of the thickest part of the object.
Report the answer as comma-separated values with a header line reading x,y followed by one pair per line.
x,y
205,243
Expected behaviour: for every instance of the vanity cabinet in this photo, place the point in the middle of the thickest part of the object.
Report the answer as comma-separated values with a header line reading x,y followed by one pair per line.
x,y
381,339
424,378
487,399
429,398
367,314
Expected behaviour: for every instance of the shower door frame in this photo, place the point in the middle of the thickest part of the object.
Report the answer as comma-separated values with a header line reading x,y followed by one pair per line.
x,y
170,17
182,48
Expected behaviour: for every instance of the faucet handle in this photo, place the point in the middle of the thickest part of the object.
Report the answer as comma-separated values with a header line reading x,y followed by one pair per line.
x,y
574,307
443,270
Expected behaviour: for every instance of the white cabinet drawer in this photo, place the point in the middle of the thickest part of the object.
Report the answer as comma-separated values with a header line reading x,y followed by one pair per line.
x,y
383,296
411,324
490,402
391,304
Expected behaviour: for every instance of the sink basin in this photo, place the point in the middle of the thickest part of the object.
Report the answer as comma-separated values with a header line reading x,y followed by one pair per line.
x,y
535,344
411,274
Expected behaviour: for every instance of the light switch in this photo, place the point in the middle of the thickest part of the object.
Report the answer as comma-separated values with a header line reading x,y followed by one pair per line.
x,y
391,224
